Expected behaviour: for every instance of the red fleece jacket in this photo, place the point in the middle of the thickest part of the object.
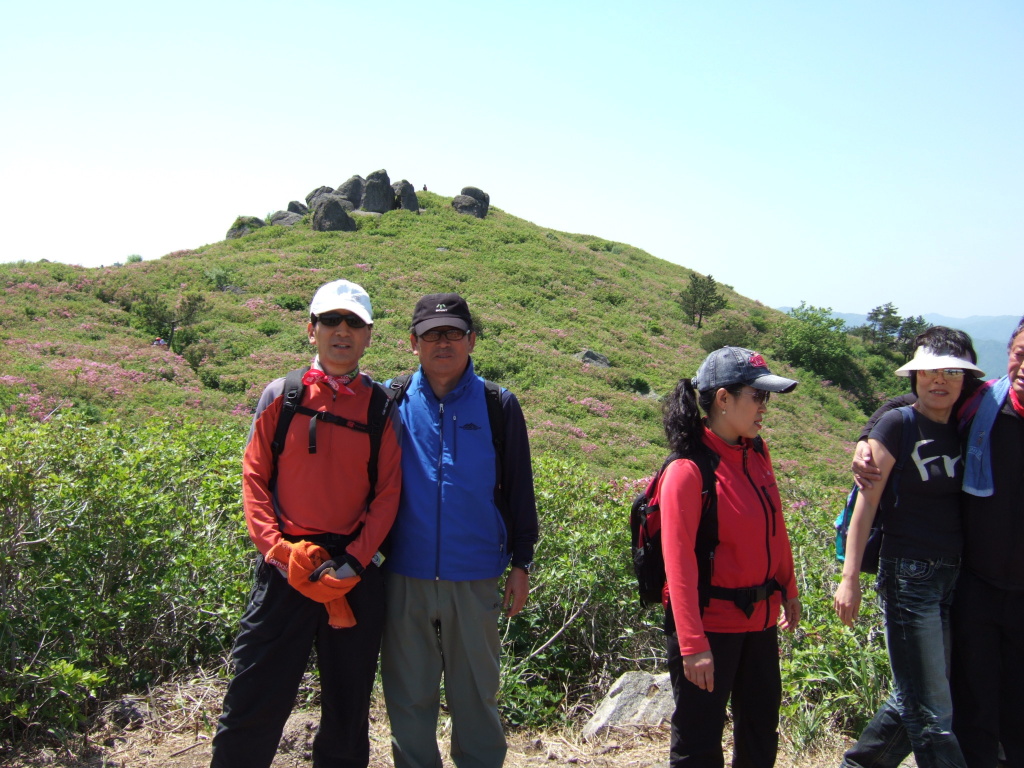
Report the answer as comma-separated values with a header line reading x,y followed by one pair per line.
x,y
323,492
754,544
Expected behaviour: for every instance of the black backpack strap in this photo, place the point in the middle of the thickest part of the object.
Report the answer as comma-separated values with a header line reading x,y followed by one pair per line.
x,y
707,530
377,418
496,419
908,436
398,387
290,402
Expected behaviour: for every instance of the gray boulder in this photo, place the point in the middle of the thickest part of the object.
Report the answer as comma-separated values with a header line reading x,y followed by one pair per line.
x,y
343,201
243,226
636,698
468,205
330,214
405,196
296,207
285,218
378,197
352,190
479,194
594,358
312,197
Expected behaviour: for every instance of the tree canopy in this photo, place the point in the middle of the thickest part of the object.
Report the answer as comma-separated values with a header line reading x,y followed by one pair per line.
x,y
701,299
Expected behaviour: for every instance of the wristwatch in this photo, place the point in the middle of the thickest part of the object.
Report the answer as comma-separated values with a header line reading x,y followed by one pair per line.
x,y
528,567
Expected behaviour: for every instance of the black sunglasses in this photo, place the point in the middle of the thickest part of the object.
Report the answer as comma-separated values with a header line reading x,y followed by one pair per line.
x,y
333,319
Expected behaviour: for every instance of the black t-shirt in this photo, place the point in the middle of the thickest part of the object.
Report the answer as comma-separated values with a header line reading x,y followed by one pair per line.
x,y
927,522
995,524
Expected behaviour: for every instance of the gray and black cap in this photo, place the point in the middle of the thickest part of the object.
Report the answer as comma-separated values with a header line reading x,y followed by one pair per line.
x,y
735,365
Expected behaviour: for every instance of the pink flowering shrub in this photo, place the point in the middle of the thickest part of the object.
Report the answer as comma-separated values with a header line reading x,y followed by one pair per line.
x,y
593,405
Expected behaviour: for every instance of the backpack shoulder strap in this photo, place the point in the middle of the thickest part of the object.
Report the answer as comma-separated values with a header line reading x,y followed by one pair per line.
x,y
707,529
496,421
381,403
496,416
291,398
908,437
398,387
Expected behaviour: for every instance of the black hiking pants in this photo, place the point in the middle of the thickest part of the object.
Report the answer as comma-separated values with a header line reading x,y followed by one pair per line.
x,y
279,630
988,672
747,671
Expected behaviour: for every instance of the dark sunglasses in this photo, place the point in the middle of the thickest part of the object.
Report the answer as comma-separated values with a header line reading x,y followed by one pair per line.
x,y
759,396
452,334
333,319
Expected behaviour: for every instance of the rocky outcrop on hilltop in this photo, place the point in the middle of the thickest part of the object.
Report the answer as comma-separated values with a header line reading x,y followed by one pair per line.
x,y
405,196
331,215
378,197
243,226
472,201
331,210
352,190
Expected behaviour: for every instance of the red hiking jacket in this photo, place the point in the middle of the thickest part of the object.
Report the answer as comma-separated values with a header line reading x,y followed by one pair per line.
x,y
754,546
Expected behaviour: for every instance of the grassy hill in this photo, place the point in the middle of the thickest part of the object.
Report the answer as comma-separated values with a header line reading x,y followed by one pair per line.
x,y
118,448
81,338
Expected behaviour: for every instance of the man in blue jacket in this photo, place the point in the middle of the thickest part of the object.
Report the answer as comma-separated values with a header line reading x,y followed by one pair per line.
x,y
466,514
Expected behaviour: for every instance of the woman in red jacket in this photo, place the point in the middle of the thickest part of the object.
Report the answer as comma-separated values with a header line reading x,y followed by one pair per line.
x,y
722,605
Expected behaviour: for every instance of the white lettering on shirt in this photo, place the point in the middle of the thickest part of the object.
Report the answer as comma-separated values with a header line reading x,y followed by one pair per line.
x,y
948,462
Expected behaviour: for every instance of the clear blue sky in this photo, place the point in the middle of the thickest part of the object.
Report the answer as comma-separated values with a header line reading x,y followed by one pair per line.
x,y
843,154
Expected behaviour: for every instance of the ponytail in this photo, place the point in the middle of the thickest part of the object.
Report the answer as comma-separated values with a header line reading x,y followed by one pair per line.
x,y
684,426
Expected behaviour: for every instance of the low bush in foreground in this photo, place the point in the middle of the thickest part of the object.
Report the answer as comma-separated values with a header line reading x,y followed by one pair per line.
x,y
124,558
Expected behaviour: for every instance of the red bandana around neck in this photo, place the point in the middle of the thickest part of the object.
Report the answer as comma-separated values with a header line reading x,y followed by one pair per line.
x,y
338,383
1015,402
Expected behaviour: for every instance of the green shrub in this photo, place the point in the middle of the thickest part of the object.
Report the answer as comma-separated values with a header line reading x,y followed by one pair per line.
x,y
122,559
270,326
292,302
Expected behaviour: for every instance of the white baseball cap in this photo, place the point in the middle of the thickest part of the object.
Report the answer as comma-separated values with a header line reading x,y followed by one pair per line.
x,y
341,294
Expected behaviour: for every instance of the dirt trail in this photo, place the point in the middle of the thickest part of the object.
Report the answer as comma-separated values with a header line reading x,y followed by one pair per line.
x,y
172,727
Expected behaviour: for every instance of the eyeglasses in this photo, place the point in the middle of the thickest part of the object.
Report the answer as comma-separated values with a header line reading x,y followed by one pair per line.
x,y
949,373
759,396
333,319
452,334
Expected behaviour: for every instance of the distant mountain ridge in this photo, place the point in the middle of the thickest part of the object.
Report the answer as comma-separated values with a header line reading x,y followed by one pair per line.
x,y
981,327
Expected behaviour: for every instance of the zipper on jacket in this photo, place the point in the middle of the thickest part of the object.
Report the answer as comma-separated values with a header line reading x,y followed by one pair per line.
x,y
767,532
775,514
440,467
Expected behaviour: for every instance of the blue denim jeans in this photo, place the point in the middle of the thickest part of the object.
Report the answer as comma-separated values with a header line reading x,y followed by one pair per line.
x,y
916,596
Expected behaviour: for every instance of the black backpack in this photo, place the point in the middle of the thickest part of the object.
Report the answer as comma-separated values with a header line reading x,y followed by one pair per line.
x,y
645,534
890,498
376,417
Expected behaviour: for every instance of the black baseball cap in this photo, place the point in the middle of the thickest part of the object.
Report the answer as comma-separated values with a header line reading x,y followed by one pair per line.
x,y
436,310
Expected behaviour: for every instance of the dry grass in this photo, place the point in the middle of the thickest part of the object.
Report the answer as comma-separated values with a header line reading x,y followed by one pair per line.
x,y
172,726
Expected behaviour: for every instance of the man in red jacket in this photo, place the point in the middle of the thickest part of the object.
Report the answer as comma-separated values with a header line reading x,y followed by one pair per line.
x,y
321,495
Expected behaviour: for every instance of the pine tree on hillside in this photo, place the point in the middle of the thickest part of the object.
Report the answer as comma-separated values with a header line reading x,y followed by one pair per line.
x,y
701,299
